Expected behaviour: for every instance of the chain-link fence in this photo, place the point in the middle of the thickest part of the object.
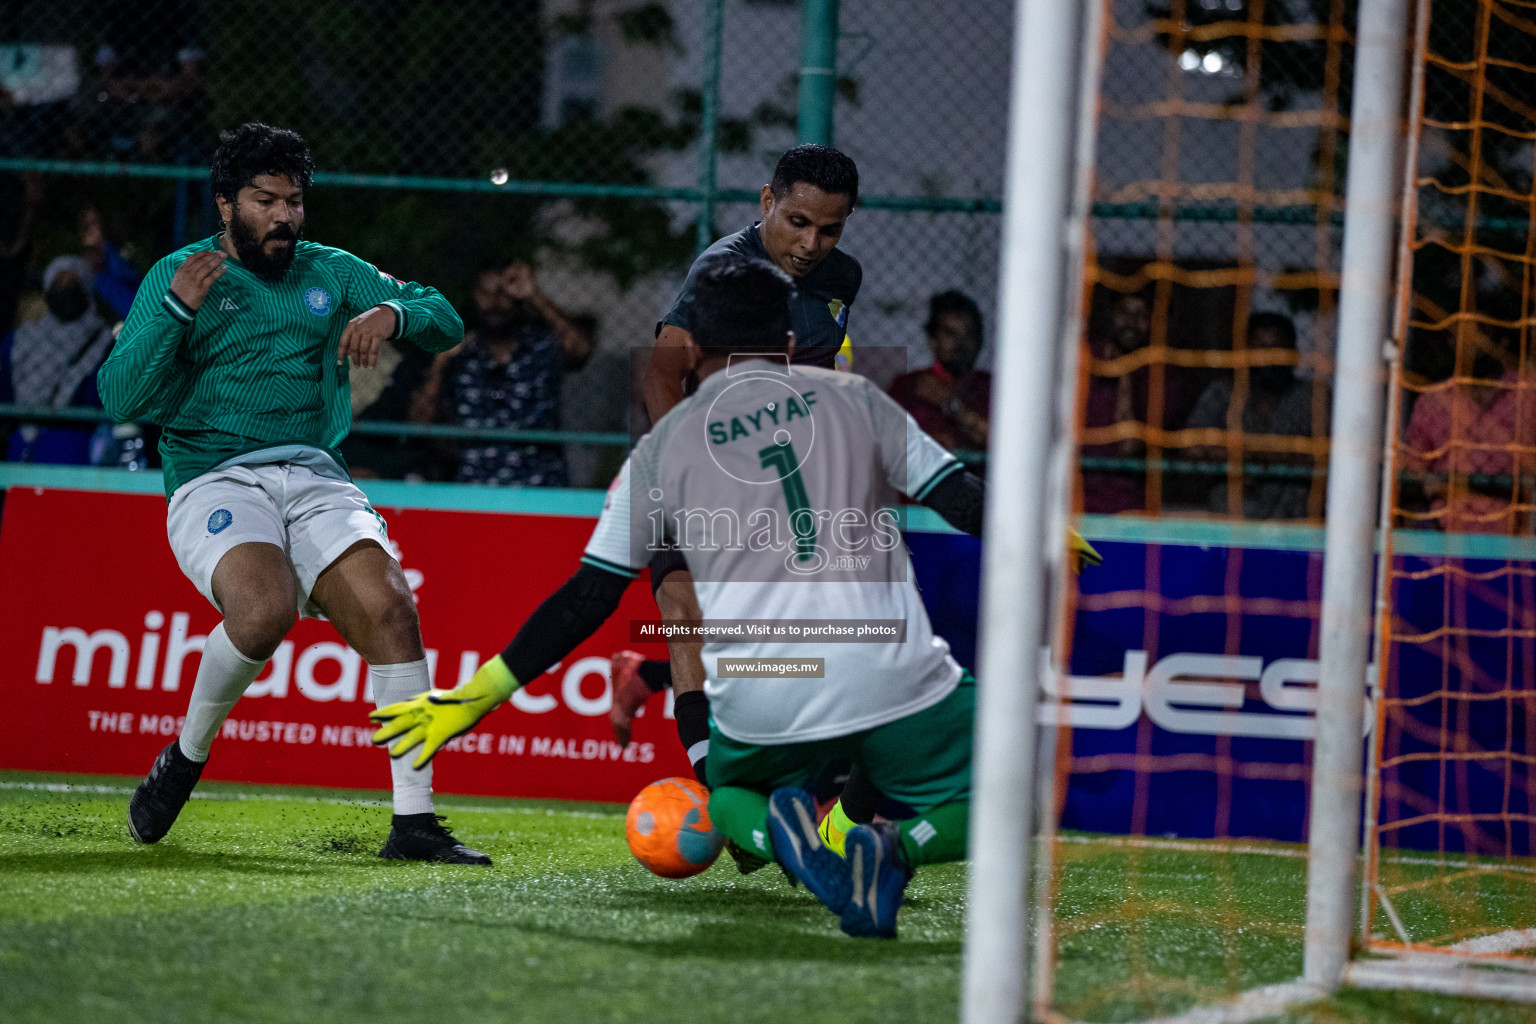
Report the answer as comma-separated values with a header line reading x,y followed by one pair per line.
x,y
594,138
1217,235
590,139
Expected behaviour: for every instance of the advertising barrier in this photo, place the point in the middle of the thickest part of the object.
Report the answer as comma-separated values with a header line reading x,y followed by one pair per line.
x,y
1192,691
1202,692
103,633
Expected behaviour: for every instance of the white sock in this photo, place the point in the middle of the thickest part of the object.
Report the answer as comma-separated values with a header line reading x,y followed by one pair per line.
x,y
222,677
391,683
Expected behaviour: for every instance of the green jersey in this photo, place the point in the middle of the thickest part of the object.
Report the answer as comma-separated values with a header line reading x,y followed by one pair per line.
x,y
255,366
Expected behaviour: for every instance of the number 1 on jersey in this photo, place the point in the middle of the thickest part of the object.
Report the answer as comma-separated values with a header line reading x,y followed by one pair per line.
x,y
782,458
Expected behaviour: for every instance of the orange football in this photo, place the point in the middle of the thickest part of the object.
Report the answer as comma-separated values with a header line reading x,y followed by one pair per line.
x,y
669,830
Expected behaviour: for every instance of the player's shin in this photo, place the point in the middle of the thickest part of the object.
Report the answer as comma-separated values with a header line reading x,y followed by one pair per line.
x,y
743,816
936,837
692,712
222,676
856,806
834,828
392,683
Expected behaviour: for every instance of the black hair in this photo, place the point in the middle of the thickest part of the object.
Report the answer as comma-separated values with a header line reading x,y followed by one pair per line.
x,y
945,303
740,303
822,166
254,149
490,265
1274,322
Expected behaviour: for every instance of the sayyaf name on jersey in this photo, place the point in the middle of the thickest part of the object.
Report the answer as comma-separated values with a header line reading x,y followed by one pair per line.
x,y
318,301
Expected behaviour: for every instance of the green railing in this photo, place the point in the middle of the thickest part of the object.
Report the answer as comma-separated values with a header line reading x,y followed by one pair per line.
x,y
377,428
1090,463
705,192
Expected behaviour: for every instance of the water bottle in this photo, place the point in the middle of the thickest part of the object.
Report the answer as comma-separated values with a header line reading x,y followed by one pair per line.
x,y
130,446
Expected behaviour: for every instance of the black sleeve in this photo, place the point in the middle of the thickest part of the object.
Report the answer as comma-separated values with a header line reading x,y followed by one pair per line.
x,y
959,498
565,619
681,313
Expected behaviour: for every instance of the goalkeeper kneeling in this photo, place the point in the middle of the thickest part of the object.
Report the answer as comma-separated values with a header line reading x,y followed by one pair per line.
x,y
794,469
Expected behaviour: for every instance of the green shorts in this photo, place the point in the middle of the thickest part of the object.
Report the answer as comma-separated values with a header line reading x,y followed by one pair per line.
x,y
922,760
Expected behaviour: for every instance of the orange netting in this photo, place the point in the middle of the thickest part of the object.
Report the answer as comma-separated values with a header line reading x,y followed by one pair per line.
x,y
1450,866
1183,732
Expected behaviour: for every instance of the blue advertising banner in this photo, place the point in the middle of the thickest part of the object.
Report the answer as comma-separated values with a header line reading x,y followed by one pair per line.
x,y
1193,675
1191,686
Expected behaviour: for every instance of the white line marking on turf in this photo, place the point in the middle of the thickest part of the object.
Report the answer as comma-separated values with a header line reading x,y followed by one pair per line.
x,y
1255,1004
1218,846
1499,942
293,798
1182,845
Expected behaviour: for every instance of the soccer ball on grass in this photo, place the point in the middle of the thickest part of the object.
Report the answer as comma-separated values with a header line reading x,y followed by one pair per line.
x,y
669,830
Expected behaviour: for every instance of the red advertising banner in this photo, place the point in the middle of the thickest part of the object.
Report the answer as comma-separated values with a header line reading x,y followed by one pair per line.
x,y
102,634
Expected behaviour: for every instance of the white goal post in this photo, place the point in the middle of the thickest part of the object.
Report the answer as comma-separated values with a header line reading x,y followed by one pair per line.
x,y
1043,145
1365,297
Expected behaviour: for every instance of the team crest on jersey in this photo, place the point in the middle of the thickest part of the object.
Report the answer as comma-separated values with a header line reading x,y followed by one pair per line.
x,y
839,312
220,520
318,301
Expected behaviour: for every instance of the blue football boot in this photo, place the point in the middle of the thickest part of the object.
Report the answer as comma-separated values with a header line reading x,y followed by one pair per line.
x,y
878,877
798,847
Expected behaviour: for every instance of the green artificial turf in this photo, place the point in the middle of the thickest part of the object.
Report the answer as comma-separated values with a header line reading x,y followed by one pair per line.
x,y
269,904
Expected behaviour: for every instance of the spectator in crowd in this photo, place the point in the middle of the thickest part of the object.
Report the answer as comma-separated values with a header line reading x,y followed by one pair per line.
x,y
51,363
951,399
20,196
394,457
1278,405
149,101
1471,438
116,280
1119,402
507,375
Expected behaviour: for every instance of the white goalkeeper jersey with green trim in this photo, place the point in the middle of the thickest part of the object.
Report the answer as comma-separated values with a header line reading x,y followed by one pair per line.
x,y
778,484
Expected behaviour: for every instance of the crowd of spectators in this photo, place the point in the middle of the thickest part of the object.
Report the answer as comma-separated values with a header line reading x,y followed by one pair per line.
x,y
140,94
49,360
505,375
1238,440
1236,431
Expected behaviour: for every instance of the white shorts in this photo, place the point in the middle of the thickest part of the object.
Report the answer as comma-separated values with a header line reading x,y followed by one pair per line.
x,y
313,518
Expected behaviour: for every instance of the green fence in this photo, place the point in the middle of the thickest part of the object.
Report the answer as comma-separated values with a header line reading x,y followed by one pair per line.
x,y
606,143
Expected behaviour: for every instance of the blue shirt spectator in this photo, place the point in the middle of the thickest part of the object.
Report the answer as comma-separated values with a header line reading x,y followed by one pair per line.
x,y
507,374
116,282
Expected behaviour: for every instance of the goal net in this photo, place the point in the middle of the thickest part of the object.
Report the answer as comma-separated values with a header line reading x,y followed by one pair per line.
x,y
1181,700
1451,883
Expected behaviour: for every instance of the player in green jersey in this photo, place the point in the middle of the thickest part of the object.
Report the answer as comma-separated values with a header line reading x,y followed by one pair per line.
x,y
804,209
238,346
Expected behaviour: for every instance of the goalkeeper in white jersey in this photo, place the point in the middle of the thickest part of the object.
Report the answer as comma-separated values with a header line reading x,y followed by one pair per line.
x,y
778,481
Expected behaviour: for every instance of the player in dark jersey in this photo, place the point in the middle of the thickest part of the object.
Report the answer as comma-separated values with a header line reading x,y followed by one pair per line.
x,y
804,209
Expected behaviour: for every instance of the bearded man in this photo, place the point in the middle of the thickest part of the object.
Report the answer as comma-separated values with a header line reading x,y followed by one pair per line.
x,y
238,345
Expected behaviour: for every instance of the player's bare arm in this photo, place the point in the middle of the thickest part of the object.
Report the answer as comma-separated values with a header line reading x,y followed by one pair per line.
x,y
671,360
520,283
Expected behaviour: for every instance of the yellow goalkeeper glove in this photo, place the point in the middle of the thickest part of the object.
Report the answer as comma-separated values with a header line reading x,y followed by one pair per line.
x,y
1081,552
433,718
